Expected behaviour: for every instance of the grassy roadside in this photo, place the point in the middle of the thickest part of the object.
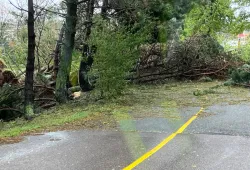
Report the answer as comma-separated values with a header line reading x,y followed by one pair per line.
x,y
137,102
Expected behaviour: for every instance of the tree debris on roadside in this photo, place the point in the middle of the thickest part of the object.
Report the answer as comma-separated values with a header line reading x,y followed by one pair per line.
x,y
196,57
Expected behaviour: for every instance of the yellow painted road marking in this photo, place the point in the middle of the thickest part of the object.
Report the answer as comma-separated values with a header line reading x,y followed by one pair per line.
x,y
163,143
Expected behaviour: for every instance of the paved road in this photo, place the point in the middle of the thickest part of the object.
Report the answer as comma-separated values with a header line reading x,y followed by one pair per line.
x,y
217,140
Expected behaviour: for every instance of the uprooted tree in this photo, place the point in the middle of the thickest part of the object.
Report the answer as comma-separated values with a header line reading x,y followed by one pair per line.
x,y
197,56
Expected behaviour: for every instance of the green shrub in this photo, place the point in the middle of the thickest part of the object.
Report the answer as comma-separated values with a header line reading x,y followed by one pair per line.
x,y
117,52
241,75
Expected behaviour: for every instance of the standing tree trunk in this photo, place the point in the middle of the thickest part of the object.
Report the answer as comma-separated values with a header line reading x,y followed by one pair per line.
x,y
67,50
89,18
57,52
29,78
87,55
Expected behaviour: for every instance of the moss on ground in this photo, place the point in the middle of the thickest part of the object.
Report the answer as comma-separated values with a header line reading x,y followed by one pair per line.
x,y
137,102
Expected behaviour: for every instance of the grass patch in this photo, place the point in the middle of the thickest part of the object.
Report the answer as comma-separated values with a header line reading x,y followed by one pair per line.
x,y
137,102
44,122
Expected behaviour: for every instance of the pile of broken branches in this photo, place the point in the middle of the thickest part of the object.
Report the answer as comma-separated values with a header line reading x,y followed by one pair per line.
x,y
11,100
197,56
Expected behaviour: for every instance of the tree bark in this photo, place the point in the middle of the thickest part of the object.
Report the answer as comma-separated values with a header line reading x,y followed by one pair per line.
x,y
67,50
87,54
29,78
89,18
57,52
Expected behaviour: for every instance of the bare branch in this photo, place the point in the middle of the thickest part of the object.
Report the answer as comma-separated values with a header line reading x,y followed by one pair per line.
x,y
47,10
19,8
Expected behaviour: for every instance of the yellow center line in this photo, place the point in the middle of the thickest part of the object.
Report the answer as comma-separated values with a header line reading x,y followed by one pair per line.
x,y
163,143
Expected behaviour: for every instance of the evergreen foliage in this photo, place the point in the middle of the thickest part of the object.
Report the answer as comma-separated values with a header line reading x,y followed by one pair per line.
x,y
241,75
211,17
117,53
10,102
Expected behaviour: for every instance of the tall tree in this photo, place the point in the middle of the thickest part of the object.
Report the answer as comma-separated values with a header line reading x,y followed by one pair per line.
x,y
87,58
67,50
57,51
29,78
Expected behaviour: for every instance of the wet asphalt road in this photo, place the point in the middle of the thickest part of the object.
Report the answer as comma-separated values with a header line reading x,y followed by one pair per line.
x,y
218,140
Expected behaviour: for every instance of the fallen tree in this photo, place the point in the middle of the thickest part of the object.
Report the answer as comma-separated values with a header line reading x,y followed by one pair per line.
x,y
197,56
